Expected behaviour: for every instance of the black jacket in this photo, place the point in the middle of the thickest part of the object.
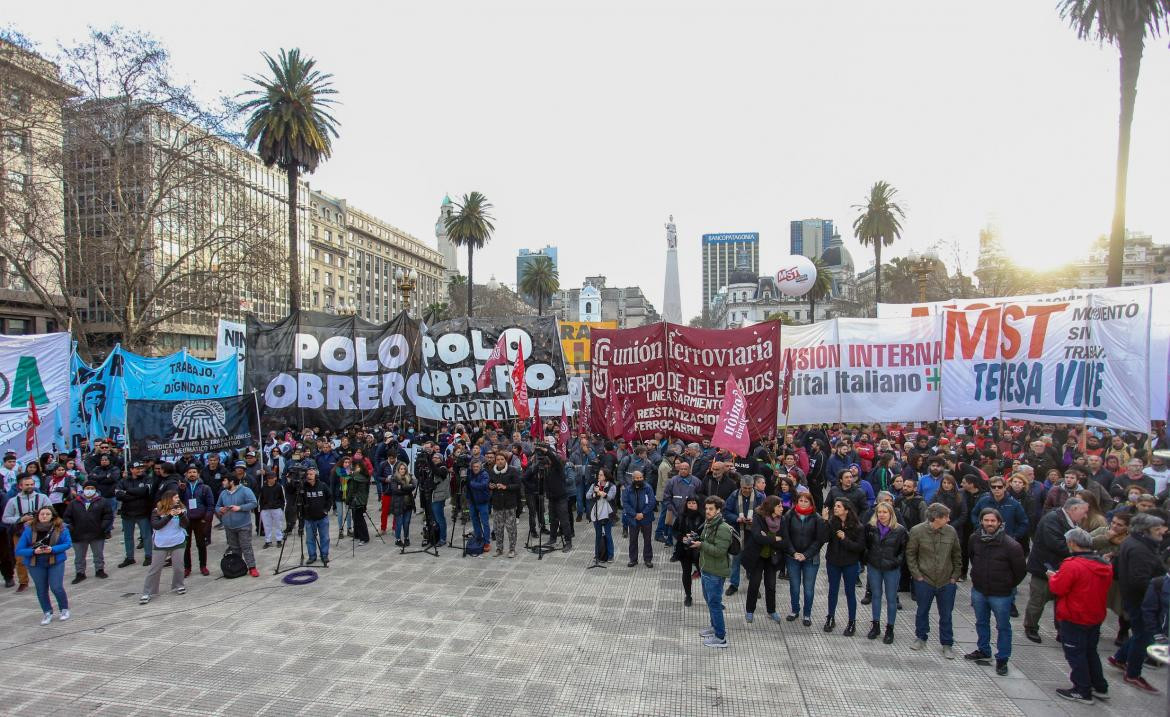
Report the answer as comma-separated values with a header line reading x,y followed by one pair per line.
x,y
509,498
1048,545
755,540
554,476
959,510
846,551
911,510
886,553
805,536
688,523
89,521
318,500
722,488
1134,566
855,496
997,565
105,480
136,497
271,497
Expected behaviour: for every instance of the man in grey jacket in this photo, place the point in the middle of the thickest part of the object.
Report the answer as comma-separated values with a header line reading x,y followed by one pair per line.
x,y
234,508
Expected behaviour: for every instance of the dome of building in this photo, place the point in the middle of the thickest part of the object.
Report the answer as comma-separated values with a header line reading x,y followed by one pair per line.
x,y
590,291
492,284
837,257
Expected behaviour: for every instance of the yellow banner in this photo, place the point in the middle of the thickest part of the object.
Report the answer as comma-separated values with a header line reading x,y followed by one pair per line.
x,y
575,344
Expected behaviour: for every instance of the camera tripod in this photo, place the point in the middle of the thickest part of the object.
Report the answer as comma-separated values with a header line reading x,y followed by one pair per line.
x,y
429,547
459,519
349,513
300,511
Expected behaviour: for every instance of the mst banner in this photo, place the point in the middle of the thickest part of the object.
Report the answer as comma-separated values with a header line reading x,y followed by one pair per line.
x,y
315,369
671,378
172,428
455,350
1158,355
863,370
1071,361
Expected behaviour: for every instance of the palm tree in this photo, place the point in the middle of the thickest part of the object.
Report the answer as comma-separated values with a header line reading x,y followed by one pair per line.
x,y
821,289
291,125
435,312
540,280
470,225
1124,23
878,224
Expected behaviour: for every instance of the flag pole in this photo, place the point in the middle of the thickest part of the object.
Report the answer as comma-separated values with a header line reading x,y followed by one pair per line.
x,y
259,428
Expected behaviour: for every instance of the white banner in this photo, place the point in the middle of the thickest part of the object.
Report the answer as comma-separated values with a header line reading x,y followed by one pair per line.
x,y
863,370
50,435
231,340
1154,368
34,367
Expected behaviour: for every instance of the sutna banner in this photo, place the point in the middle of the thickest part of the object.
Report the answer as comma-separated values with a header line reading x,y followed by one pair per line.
x,y
160,429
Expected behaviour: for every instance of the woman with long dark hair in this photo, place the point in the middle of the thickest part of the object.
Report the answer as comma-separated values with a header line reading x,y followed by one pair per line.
x,y
763,550
691,521
843,562
402,490
44,546
169,524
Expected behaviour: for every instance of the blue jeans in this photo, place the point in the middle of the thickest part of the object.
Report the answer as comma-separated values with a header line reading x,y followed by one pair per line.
x,y
317,531
603,539
884,581
1080,650
402,525
440,519
1133,651
735,570
925,594
713,594
662,530
984,606
581,490
143,525
347,515
49,577
848,575
480,527
801,573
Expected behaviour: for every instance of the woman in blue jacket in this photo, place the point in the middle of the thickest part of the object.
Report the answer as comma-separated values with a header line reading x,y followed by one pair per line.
x,y
479,501
44,546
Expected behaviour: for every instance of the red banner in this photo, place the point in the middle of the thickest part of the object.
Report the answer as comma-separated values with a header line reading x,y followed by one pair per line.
x,y
519,388
731,430
671,378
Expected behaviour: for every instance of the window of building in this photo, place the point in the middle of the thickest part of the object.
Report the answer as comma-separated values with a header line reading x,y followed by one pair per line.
x,y
328,279
18,181
16,327
316,299
316,275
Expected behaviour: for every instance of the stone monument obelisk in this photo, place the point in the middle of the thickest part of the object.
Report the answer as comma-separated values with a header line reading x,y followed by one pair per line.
x,y
671,299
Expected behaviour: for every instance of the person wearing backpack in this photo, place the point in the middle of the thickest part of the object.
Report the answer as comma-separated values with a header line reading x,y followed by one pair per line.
x,y
714,568
804,533
689,521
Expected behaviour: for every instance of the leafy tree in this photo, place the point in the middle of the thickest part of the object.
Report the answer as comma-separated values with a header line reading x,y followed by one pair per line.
x,y
1126,24
878,224
470,225
291,126
540,280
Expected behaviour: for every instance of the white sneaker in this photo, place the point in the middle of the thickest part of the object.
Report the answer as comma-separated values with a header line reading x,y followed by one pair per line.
x,y
715,642
948,652
706,632
918,645
64,616
47,618
144,599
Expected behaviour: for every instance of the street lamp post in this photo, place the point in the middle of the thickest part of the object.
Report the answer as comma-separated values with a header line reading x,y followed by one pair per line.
x,y
406,283
923,264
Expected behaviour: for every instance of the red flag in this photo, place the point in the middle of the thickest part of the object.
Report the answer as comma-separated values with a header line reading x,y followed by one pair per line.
x,y
34,420
537,424
731,429
519,387
786,392
563,431
498,357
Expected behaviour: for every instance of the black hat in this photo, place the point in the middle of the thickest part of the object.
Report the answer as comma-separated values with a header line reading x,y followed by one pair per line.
x,y
240,464
137,464
9,455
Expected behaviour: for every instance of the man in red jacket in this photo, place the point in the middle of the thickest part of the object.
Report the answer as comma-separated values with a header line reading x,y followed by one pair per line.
x,y
1080,587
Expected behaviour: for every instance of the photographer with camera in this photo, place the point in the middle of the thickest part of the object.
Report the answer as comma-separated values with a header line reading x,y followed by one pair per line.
x,y
20,511
550,474
440,491
581,457
294,482
358,497
318,499
533,482
599,499
505,486
479,498
43,547
687,526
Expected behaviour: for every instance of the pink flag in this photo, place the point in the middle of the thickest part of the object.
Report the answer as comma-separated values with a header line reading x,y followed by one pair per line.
x,y
537,424
731,429
563,431
519,386
498,356
34,421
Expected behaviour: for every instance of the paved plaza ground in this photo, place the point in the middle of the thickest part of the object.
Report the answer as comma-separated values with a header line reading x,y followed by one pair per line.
x,y
382,633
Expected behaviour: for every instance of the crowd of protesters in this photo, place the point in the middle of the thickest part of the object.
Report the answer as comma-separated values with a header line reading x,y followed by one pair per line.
x,y
1080,514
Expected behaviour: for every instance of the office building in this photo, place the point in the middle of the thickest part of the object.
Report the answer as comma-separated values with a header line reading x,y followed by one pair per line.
x,y
353,257
524,257
810,237
720,252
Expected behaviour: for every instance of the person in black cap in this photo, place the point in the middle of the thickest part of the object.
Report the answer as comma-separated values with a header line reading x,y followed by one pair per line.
x,y
90,520
136,498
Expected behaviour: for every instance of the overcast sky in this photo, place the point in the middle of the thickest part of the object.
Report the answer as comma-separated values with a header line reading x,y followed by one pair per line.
x,y
587,123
